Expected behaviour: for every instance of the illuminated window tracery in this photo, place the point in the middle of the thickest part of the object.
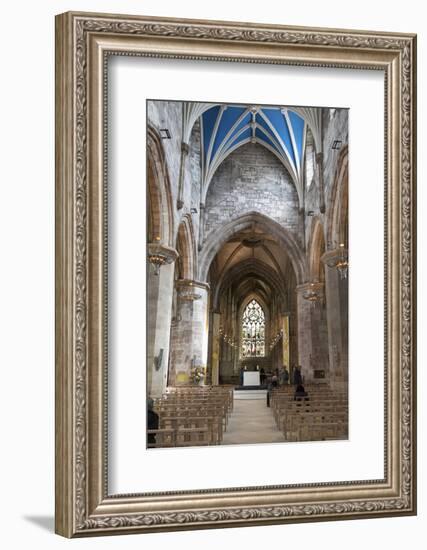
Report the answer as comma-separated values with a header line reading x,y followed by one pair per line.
x,y
253,331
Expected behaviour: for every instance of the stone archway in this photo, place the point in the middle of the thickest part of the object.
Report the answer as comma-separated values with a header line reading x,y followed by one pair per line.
x,y
216,240
337,215
189,330
186,248
242,270
313,316
160,231
160,223
336,288
316,249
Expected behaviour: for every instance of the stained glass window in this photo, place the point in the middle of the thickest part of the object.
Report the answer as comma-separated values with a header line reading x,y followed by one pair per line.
x,y
253,331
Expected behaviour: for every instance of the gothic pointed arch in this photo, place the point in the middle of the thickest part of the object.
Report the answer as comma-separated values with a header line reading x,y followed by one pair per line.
x,y
186,248
245,269
337,216
316,249
216,240
160,222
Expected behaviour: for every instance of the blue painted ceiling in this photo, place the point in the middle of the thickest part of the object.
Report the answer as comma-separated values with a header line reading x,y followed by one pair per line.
x,y
227,127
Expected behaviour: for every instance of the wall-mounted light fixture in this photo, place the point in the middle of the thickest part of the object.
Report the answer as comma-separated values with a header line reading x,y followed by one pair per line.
x,y
164,133
158,359
336,145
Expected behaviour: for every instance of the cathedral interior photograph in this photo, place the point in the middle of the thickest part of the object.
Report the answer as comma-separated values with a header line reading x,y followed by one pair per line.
x,y
247,274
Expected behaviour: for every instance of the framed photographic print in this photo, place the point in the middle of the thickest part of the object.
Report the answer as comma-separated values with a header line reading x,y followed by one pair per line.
x,y
235,274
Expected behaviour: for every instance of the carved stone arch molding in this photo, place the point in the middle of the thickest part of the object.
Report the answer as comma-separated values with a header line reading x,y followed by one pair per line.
x,y
337,213
159,194
316,248
240,271
83,44
215,241
186,248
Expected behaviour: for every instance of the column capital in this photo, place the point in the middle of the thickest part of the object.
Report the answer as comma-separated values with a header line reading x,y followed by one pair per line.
x,y
189,290
192,282
286,313
160,254
315,285
312,292
331,257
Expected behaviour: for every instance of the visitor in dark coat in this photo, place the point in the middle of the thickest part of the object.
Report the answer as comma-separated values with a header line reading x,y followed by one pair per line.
x,y
284,377
297,377
273,384
300,393
242,370
152,422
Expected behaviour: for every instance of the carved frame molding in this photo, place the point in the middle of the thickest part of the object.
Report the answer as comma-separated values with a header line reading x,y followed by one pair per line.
x,y
83,43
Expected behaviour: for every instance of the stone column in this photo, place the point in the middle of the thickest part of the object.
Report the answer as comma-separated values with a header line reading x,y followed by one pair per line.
x,y
201,226
184,154
319,163
285,341
189,339
336,290
159,314
216,322
307,328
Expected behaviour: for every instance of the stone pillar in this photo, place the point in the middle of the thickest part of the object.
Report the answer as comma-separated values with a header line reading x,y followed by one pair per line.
x,y
159,314
319,163
216,322
336,290
285,341
189,338
184,154
201,226
308,329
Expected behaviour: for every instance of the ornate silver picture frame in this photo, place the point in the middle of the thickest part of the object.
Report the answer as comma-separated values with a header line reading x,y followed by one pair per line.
x,y
84,43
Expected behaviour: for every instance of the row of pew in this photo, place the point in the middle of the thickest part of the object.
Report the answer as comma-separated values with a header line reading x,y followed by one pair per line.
x,y
191,416
322,415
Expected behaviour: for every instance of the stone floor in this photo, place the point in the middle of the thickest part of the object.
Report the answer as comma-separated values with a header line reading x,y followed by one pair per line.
x,y
251,422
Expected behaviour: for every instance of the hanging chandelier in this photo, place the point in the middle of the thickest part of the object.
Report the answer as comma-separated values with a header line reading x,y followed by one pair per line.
x,y
159,255
157,260
227,338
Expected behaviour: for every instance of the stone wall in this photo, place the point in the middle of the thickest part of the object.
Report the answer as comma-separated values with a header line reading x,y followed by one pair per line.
x,y
168,114
335,127
252,179
194,169
162,332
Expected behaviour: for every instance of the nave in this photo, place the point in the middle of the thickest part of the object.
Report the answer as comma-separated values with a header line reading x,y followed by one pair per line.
x,y
247,273
252,421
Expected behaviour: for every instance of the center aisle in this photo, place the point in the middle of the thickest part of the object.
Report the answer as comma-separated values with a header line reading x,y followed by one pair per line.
x,y
251,422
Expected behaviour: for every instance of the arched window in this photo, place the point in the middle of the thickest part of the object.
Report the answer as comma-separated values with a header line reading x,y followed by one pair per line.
x,y
253,331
